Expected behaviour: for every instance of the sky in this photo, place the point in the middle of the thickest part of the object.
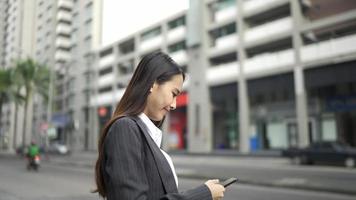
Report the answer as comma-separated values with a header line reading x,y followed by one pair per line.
x,y
124,17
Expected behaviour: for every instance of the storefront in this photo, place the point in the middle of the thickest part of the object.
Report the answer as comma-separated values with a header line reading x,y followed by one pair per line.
x,y
272,112
177,133
225,116
332,94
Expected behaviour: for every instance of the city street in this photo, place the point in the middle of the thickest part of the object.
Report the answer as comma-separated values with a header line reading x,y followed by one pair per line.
x,y
269,171
60,182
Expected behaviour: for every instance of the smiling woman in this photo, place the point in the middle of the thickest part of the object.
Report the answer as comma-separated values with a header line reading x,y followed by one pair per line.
x,y
131,164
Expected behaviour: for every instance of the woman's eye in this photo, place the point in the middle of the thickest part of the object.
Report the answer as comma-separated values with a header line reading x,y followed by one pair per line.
x,y
174,94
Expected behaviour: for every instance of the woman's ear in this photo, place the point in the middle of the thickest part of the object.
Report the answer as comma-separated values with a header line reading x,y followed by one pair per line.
x,y
153,86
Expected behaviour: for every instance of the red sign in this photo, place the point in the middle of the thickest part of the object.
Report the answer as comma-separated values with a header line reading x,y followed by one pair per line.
x,y
182,100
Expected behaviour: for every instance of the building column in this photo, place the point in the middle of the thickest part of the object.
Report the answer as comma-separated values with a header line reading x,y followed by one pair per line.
x,y
244,113
300,94
199,108
94,131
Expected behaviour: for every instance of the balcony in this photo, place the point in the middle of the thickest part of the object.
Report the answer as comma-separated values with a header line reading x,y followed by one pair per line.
x,y
223,73
226,14
176,34
106,80
180,57
62,56
64,16
107,60
277,27
65,4
330,48
253,7
102,99
225,43
267,61
151,44
63,42
61,28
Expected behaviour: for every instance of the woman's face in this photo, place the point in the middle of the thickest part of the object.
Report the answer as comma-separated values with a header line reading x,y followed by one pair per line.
x,y
162,98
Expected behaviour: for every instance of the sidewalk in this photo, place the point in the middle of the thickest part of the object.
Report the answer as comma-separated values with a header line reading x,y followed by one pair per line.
x,y
270,171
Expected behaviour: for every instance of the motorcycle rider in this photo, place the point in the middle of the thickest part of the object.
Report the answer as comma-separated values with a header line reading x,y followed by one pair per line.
x,y
32,152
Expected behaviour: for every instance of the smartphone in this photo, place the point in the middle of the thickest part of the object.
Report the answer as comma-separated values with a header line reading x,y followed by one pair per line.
x,y
228,182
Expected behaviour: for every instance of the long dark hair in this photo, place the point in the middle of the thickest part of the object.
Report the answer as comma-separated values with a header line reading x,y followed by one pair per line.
x,y
155,67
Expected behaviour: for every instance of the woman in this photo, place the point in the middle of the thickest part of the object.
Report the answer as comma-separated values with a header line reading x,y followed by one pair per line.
x,y
131,164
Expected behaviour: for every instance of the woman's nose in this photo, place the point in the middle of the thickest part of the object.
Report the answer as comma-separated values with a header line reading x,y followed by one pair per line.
x,y
174,104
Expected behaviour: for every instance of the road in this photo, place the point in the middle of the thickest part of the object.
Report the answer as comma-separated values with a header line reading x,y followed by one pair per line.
x,y
272,171
59,182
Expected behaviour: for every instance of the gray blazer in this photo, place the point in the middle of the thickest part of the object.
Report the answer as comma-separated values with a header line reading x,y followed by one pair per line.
x,y
134,168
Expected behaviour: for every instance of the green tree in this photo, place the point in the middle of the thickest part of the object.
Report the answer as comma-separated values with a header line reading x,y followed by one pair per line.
x,y
10,89
35,80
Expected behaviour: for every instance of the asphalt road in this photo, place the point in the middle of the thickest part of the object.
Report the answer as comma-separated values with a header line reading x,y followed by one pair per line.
x,y
271,172
59,182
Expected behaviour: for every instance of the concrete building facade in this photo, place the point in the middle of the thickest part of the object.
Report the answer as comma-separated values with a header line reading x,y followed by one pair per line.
x,y
278,73
17,42
60,34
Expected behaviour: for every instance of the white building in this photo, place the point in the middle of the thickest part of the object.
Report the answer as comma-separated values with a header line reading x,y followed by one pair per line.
x,y
60,34
278,73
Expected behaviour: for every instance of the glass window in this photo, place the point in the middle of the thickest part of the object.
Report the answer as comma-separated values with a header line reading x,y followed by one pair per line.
x,y
151,33
126,67
222,4
225,30
176,47
105,89
176,23
105,71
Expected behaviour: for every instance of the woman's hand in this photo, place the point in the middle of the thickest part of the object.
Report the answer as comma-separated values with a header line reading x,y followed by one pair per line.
x,y
216,189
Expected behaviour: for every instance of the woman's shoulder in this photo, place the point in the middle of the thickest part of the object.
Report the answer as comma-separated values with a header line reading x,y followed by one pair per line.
x,y
124,122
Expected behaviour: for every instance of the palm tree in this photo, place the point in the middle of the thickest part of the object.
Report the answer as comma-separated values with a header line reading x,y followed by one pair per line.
x,y
9,90
35,80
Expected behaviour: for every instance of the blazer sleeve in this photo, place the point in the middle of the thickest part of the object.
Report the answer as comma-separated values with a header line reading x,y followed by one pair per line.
x,y
199,193
124,167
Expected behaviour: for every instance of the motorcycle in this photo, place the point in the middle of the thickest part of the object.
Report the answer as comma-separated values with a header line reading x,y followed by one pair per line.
x,y
33,163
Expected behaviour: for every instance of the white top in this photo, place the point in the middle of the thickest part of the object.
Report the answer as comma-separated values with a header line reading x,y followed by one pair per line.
x,y
156,135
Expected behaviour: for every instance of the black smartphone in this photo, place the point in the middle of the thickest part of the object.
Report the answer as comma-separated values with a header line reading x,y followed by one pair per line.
x,y
228,182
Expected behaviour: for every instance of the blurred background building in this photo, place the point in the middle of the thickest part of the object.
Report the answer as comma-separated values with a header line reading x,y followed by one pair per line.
x,y
279,73
262,74
59,34
17,41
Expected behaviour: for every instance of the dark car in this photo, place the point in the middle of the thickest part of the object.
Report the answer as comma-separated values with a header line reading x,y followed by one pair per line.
x,y
334,153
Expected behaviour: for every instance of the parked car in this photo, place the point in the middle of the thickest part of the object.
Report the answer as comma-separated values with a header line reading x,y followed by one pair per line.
x,y
334,153
57,148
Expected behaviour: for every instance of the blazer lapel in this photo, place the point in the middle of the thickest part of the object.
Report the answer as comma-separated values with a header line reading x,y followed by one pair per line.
x,y
162,165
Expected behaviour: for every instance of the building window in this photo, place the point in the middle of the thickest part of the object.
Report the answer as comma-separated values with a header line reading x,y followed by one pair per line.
x,y
176,23
88,10
121,85
127,47
105,71
176,47
222,4
126,67
151,33
225,30
106,52
105,89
